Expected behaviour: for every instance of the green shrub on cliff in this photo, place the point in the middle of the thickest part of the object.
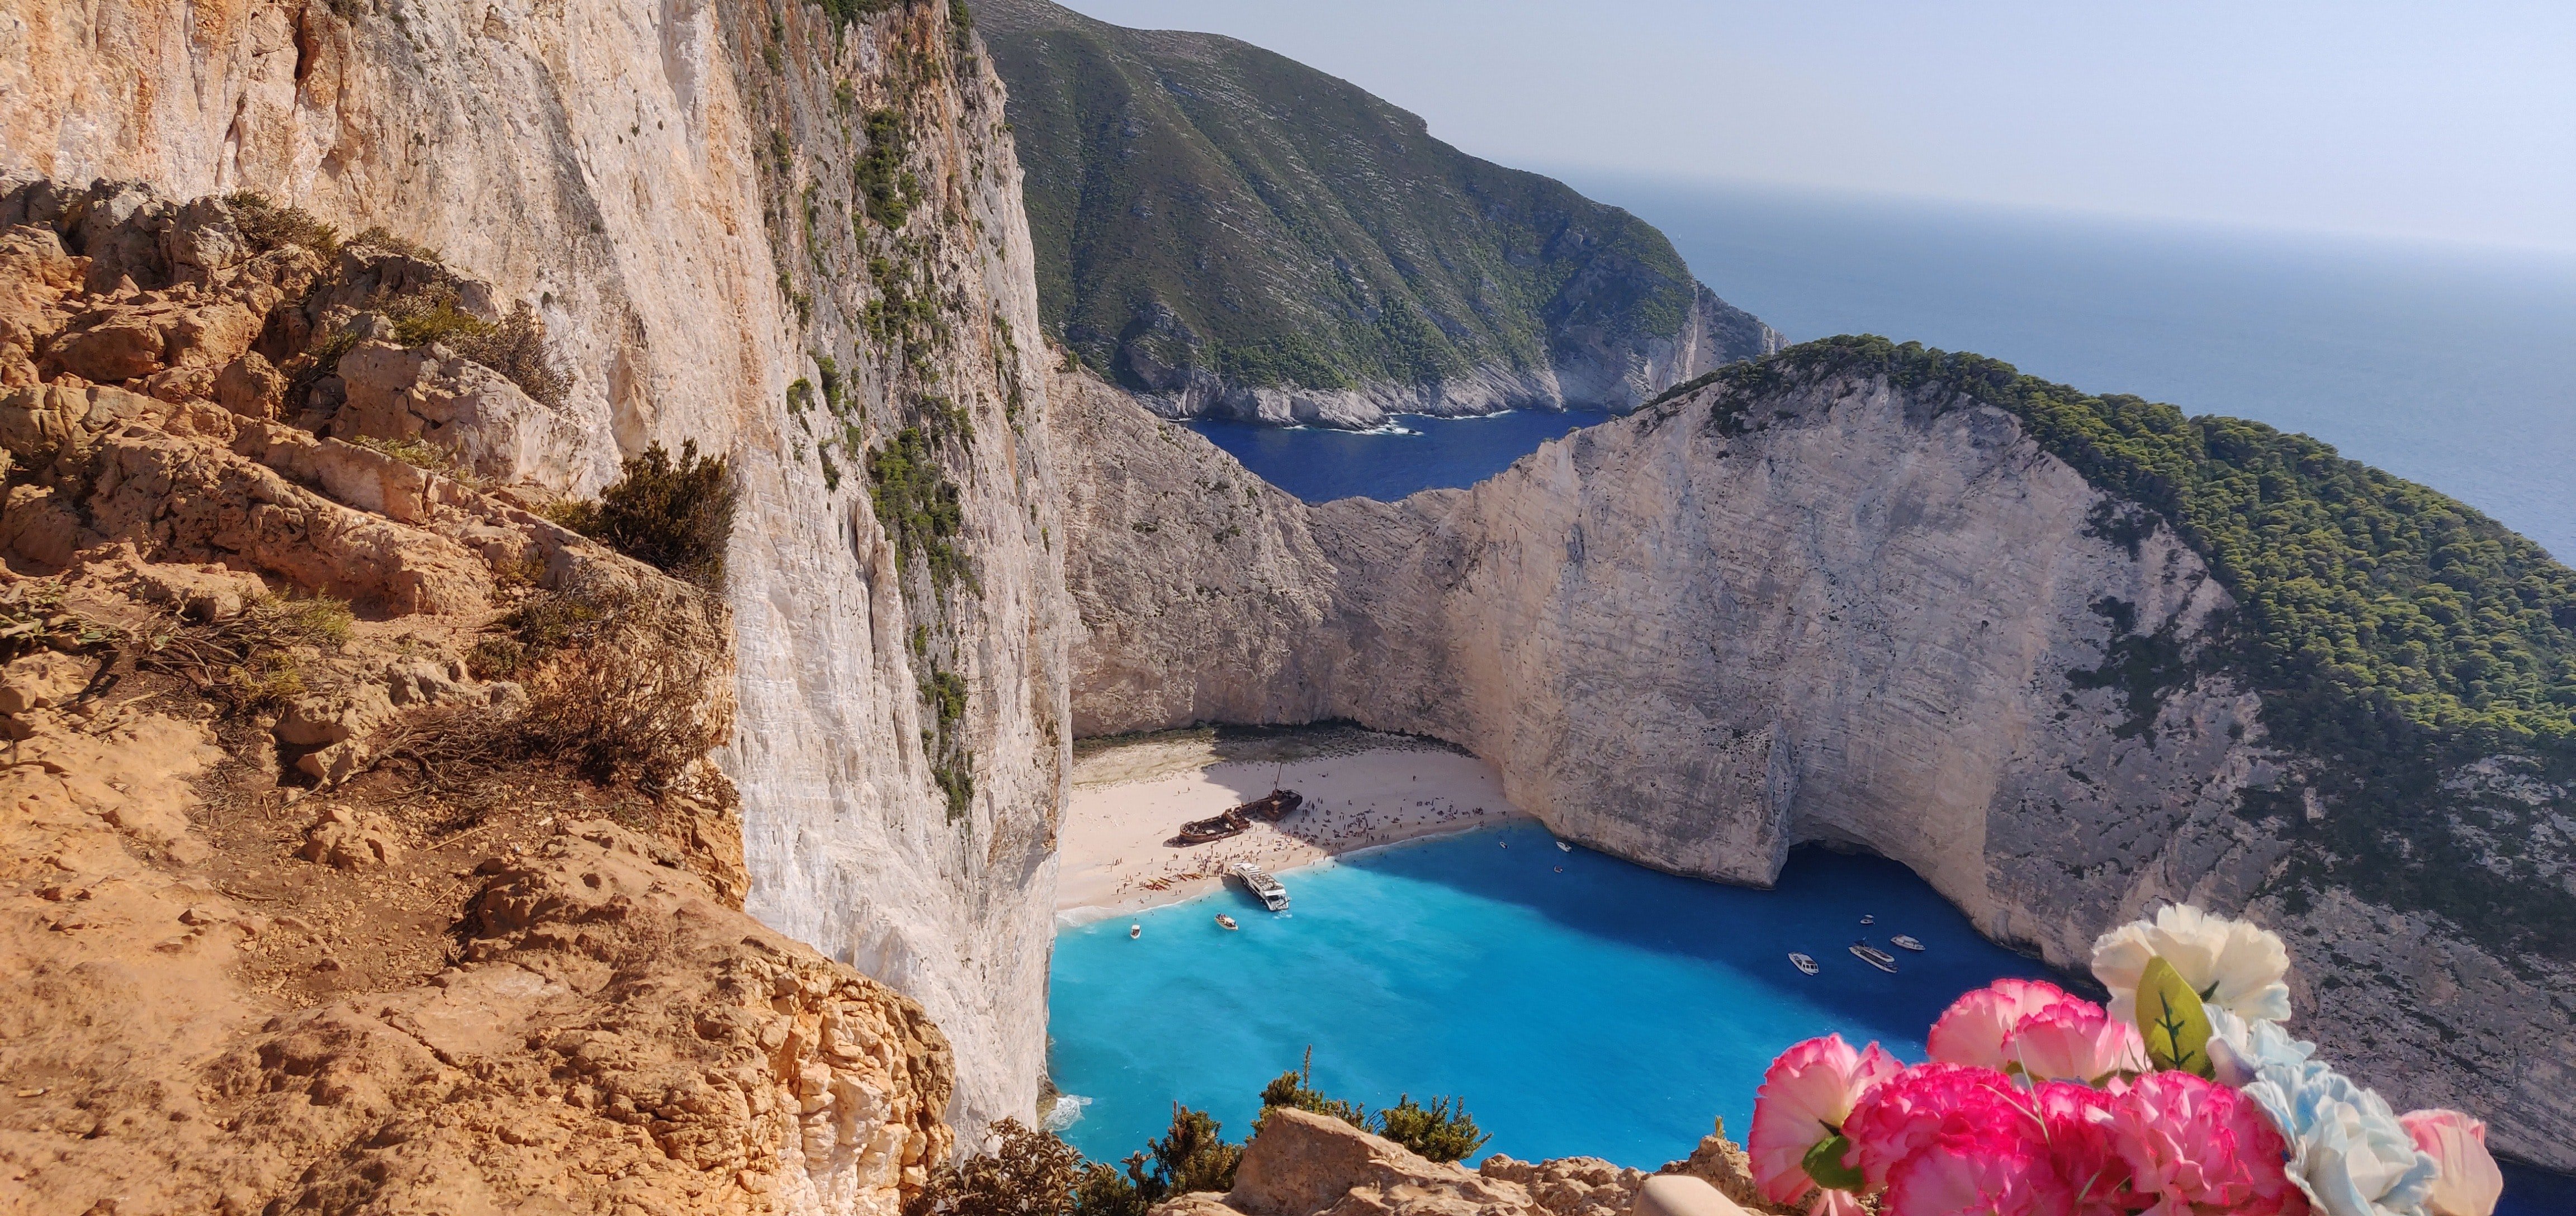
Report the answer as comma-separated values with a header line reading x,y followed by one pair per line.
x,y
675,517
1192,1156
1442,1131
1030,1173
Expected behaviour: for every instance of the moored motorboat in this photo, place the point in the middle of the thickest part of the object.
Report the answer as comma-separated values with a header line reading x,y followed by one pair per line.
x,y
1907,943
1226,922
1803,963
1135,931
1874,956
1564,846
1869,920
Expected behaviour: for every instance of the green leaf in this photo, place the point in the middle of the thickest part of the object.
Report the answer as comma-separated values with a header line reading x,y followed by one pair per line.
x,y
2172,1019
1824,1163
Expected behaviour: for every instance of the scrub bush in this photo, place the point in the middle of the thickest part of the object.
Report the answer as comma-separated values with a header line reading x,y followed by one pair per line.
x,y
672,516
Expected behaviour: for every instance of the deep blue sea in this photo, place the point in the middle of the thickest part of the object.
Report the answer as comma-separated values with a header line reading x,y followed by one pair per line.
x,y
2453,366
1320,464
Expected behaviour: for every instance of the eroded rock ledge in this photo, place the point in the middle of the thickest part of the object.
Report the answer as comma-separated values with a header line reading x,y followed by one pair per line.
x,y
305,907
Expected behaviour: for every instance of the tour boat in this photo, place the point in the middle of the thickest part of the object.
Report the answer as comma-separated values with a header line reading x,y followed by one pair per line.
x,y
1874,956
1803,963
1135,931
1907,943
1226,922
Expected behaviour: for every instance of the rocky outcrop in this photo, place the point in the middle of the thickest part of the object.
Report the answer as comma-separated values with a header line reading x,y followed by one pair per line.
x,y
1172,548
676,194
611,1035
1841,610
1299,1163
256,969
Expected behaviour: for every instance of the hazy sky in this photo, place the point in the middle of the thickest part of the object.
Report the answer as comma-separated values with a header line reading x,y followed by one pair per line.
x,y
2453,119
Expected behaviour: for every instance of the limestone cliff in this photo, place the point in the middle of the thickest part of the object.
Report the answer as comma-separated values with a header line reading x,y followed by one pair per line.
x,y
1837,608
788,232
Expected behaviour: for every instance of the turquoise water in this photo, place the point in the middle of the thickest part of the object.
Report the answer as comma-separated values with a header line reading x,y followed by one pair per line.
x,y
1605,1010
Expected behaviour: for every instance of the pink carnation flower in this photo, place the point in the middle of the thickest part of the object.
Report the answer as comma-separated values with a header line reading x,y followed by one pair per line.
x,y
1978,1173
2077,1119
2469,1182
2074,1040
1909,1112
2194,1145
1973,1030
1942,1134
1804,1099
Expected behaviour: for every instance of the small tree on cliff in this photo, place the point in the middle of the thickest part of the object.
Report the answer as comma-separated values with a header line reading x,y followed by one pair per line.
x,y
1442,1131
1030,1173
1295,1088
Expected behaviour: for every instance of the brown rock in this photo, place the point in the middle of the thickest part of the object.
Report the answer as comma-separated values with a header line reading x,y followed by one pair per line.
x,y
41,680
346,840
251,387
1722,1163
109,346
1304,1164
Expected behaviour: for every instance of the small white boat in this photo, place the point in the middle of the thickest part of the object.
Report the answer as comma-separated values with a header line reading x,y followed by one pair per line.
x,y
1869,920
1564,847
1135,931
1874,956
1226,922
1906,943
1803,963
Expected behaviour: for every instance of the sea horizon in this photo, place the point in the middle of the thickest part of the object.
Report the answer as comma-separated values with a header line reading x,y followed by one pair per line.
x,y
2453,365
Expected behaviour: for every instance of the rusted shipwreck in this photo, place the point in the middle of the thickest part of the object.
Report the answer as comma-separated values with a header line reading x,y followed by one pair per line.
x,y
1270,808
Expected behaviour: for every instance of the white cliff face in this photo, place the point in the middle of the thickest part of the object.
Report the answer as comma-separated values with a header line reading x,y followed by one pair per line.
x,y
1837,612
620,168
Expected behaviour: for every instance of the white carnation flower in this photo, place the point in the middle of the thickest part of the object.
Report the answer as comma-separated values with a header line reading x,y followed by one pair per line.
x,y
2234,965
2348,1151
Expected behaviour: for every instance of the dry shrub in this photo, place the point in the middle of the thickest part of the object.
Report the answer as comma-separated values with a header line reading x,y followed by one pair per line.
x,y
515,346
634,683
251,661
383,238
267,226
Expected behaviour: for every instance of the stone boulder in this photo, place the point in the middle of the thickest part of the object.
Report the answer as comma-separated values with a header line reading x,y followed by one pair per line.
x,y
492,429
1304,1164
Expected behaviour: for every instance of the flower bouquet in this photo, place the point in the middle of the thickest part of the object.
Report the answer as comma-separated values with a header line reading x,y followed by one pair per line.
x,y
2185,1096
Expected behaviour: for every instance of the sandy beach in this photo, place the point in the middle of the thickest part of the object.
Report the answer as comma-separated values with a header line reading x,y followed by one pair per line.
x,y
1362,790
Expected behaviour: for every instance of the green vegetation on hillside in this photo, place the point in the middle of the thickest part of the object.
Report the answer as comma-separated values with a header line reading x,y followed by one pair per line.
x,y
2392,631
1199,203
